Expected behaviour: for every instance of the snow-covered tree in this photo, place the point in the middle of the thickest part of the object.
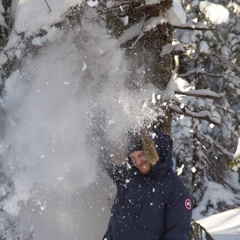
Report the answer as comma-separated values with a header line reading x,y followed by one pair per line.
x,y
235,163
210,63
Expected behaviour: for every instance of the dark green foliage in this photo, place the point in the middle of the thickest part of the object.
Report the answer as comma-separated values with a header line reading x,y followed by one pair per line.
x,y
198,232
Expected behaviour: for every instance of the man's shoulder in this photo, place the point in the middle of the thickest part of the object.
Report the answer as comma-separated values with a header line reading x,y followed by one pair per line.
x,y
172,181
158,136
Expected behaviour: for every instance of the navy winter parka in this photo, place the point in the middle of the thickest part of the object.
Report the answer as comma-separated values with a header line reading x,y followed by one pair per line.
x,y
156,206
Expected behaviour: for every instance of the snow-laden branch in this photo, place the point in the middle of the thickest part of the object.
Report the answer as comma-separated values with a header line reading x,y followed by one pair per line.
x,y
171,49
198,71
206,115
113,8
151,24
172,89
193,28
230,64
235,163
202,93
220,148
130,33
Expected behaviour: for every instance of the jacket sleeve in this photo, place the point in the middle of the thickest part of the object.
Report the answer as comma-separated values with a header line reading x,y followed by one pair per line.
x,y
97,138
178,213
114,171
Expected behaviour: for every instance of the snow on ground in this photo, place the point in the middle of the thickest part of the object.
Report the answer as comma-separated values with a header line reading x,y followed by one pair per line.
x,y
223,226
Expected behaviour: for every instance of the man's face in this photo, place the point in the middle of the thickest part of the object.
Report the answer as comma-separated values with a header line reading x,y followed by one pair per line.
x,y
140,162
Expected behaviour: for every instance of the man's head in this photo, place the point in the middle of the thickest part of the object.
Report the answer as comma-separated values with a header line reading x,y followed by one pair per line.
x,y
136,144
136,153
140,162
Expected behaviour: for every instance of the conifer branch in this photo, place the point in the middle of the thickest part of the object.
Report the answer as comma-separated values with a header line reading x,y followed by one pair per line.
x,y
234,165
194,28
196,94
197,232
200,115
230,64
48,5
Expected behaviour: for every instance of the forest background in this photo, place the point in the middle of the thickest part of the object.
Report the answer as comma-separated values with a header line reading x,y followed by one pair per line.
x,y
169,64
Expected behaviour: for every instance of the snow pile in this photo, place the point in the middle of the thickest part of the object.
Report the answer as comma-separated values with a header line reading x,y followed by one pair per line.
x,y
218,195
224,225
33,15
216,13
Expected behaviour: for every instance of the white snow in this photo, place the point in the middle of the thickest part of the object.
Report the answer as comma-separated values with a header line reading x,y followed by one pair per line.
x,y
177,14
130,33
203,92
54,34
3,58
154,21
217,193
216,13
33,15
237,153
234,6
49,103
223,226
2,20
204,48
37,41
169,48
150,2
13,41
92,3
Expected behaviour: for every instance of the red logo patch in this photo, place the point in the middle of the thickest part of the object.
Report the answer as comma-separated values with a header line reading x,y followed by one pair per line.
x,y
188,204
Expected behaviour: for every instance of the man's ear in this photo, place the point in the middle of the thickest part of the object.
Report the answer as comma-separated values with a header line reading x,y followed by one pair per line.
x,y
149,148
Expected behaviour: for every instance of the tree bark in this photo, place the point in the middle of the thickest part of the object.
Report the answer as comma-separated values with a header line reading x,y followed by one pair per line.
x,y
145,63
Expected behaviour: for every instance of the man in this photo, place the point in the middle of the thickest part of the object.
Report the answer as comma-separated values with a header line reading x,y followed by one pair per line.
x,y
151,201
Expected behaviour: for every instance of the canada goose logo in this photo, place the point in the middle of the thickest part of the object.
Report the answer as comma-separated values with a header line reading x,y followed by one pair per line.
x,y
188,204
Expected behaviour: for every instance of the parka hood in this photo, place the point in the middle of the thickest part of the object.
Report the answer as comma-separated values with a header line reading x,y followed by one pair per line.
x,y
163,144
158,148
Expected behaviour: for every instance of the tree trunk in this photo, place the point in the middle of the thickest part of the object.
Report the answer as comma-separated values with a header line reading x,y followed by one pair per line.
x,y
145,63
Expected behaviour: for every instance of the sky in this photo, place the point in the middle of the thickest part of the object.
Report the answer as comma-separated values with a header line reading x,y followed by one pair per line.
x,y
49,107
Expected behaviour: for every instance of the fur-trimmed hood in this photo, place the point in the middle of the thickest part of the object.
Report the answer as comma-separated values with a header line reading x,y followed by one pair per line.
x,y
163,144
157,148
